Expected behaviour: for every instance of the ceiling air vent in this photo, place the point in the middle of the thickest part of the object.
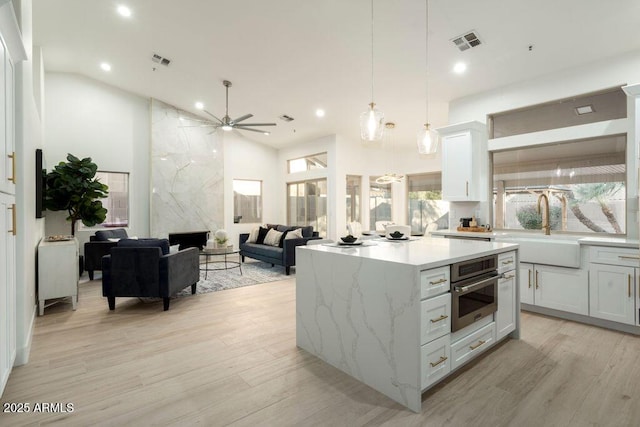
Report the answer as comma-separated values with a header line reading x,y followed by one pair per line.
x,y
467,41
160,59
286,118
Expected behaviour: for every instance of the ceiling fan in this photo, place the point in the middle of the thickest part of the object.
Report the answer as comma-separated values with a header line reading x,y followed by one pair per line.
x,y
228,124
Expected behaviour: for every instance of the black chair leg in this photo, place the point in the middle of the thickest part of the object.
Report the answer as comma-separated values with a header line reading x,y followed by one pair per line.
x,y
165,303
242,256
112,303
273,265
90,274
193,289
287,270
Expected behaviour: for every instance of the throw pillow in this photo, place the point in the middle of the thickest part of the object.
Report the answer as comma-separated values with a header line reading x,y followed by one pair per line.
x,y
294,234
174,249
262,233
253,236
273,237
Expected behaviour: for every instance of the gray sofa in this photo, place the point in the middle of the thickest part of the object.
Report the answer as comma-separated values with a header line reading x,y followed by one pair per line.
x,y
284,255
145,268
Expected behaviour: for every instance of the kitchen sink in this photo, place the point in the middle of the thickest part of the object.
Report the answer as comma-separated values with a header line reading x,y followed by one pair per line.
x,y
562,251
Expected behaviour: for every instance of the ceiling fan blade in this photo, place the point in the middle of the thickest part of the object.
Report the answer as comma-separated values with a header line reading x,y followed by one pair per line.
x,y
241,118
213,116
199,126
258,124
249,129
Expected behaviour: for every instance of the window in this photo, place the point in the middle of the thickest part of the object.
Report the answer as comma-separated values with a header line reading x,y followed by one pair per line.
x,y
315,161
584,180
117,202
354,193
307,204
426,207
379,202
247,201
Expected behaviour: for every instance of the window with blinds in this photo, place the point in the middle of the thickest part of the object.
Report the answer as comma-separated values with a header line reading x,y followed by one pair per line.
x,y
426,209
584,180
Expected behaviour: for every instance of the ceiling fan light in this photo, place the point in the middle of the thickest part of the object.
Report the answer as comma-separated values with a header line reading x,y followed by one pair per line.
x,y
226,128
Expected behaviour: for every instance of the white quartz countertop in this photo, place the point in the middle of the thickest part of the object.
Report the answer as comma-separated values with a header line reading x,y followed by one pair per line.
x,y
610,241
423,253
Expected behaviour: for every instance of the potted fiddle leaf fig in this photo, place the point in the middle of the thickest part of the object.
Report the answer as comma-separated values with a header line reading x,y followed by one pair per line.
x,y
72,186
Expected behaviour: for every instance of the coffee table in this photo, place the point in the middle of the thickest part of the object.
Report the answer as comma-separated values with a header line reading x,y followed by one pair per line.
x,y
219,264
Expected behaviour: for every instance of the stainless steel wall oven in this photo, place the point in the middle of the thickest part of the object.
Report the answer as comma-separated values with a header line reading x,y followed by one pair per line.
x,y
474,290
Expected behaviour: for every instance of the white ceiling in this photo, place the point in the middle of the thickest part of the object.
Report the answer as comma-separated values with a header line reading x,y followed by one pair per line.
x,y
291,56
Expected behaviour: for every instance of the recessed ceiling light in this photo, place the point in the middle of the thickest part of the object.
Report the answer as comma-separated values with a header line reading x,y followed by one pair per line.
x,y
585,109
199,105
105,66
460,68
320,112
266,133
124,11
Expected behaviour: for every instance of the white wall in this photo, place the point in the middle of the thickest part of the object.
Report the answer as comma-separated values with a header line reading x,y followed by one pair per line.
x,y
244,159
90,119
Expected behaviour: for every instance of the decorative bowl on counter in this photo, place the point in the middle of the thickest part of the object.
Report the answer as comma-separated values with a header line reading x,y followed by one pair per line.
x,y
396,234
349,239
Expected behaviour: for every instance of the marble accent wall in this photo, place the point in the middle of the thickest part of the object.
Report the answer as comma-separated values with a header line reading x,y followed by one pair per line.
x,y
187,173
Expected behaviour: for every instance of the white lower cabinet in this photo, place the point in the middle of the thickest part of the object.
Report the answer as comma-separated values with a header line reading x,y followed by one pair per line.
x,y
473,344
7,287
436,317
558,288
436,360
506,314
613,287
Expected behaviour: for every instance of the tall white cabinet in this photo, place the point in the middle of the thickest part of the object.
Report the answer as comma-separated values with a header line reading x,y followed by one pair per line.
x,y
8,212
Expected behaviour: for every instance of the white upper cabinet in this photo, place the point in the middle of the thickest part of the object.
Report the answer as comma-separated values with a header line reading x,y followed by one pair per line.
x,y
465,162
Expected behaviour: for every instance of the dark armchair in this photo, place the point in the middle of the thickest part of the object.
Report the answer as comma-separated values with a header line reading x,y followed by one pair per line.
x,y
98,246
144,268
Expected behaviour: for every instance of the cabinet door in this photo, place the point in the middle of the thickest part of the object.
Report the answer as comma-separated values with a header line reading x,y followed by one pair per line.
x,y
7,288
637,287
562,288
526,281
506,314
435,360
435,317
434,282
457,167
612,293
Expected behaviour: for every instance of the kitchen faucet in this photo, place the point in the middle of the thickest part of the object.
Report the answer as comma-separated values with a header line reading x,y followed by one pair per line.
x,y
545,220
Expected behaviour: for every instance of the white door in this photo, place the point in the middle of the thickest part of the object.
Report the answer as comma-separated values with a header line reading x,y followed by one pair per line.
x,y
562,288
457,167
526,281
612,293
7,288
506,314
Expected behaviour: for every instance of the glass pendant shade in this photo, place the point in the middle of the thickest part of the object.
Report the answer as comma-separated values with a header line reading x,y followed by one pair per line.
x,y
371,124
427,141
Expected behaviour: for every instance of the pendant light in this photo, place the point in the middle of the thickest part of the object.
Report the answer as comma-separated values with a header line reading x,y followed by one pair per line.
x,y
427,139
390,177
371,127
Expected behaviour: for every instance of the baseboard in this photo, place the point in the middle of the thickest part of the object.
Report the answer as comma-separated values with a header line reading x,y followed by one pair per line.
x,y
23,351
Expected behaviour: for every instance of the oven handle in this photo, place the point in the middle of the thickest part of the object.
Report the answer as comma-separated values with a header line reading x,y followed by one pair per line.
x,y
464,289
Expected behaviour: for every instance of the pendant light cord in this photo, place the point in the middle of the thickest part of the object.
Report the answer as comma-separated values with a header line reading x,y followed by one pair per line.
x,y
371,52
426,62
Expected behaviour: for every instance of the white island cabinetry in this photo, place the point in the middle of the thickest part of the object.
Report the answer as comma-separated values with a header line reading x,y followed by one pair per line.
x,y
382,313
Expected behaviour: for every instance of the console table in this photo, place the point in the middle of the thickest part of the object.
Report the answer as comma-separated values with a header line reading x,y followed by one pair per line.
x,y
58,267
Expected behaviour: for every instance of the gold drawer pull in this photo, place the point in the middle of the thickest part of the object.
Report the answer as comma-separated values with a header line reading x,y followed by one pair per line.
x,y
444,316
507,262
437,282
442,359
529,278
12,156
509,277
629,285
480,343
13,219
628,257
537,286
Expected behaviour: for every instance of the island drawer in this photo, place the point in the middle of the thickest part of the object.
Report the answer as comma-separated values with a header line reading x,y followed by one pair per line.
x,y
506,261
435,281
436,317
614,256
435,360
473,344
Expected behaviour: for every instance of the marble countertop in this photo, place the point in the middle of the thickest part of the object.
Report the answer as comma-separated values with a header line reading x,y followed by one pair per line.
x,y
620,242
423,253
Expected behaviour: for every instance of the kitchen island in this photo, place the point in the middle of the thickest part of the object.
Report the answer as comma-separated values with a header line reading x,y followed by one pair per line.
x,y
381,312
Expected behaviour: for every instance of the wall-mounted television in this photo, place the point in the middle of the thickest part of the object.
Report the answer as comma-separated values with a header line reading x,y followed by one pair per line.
x,y
41,173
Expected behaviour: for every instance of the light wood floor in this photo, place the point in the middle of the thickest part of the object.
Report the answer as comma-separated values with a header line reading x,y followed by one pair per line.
x,y
229,358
